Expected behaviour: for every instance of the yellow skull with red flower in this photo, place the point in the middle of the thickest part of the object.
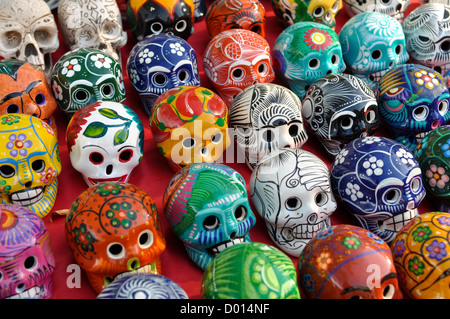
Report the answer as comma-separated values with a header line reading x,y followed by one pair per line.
x,y
29,163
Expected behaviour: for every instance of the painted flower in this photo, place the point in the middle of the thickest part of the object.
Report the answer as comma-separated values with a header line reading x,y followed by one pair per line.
x,y
370,140
134,76
18,144
373,166
121,214
120,81
146,56
426,79
437,176
382,26
308,282
351,242
354,191
421,146
444,220
10,119
70,67
48,175
399,248
340,158
105,189
421,233
101,61
405,156
84,238
323,261
437,250
5,189
446,148
317,39
57,91
177,48
416,266
48,128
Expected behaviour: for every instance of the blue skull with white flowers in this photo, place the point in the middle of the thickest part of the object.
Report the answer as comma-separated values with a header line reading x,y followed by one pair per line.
x,y
304,52
412,100
160,62
380,183
372,43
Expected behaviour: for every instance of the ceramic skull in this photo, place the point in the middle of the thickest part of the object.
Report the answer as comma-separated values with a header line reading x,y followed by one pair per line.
x,y
148,17
372,43
293,11
27,262
207,206
393,8
88,25
264,118
113,230
160,62
25,90
304,52
412,101
380,183
291,191
105,142
86,75
29,163
241,14
338,108
236,59
28,32
426,31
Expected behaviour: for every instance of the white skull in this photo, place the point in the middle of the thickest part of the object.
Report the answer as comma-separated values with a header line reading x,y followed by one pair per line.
x,y
291,191
393,8
28,32
92,24
105,142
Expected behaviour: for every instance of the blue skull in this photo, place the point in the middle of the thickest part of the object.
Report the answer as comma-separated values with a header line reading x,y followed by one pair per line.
x,y
380,183
413,100
372,43
161,62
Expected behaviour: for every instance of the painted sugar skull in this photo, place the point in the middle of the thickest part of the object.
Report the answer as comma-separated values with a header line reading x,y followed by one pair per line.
x,y
242,271
143,286
160,62
413,100
207,206
304,52
25,90
426,31
291,191
98,26
105,142
434,160
380,183
392,8
347,262
236,59
190,125
148,17
113,230
26,257
29,163
339,108
28,32
84,76
200,10
421,253
241,14
264,118
372,43
293,11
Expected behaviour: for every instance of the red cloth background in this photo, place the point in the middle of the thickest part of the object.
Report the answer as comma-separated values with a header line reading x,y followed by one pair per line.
x,y
153,175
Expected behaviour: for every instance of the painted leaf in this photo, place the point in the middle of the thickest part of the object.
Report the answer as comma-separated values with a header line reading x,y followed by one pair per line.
x,y
108,113
95,130
121,136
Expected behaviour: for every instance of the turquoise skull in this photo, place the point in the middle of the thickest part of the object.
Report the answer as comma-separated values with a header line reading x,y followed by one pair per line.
x,y
304,52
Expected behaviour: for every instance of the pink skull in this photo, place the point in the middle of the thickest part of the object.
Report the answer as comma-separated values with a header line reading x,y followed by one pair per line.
x,y
26,258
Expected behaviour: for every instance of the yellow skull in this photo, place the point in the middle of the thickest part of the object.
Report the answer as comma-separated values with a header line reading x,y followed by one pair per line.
x,y
29,163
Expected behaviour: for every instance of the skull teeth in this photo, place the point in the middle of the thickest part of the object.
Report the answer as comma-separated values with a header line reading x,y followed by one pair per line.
x,y
397,222
420,136
33,293
147,269
222,246
308,231
27,197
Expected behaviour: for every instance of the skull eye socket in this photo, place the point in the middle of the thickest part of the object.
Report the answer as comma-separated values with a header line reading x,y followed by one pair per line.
x,y
443,107
125,156
180,26
107,90
211,222
268,135
43,36
318,11
346,123
263,68
416,185
420,113
96,158
399,49
392,196
376,54
188,143
335,59
371,116
145,239
81,95
13,39
156,27
7,171
293,203
238,74
445,46
321,199
314,63
159,79
240,213
217,138
38,166
256,29
12,108
295,129
388,291
183,76
115,251
40,99
335,6
30,263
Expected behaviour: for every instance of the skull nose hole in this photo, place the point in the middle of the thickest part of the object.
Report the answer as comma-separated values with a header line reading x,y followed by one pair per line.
x,y
102,46
133,264
109,169
233,235
328,72
391,64
398,8
20,288
312,219
28,184
30,49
